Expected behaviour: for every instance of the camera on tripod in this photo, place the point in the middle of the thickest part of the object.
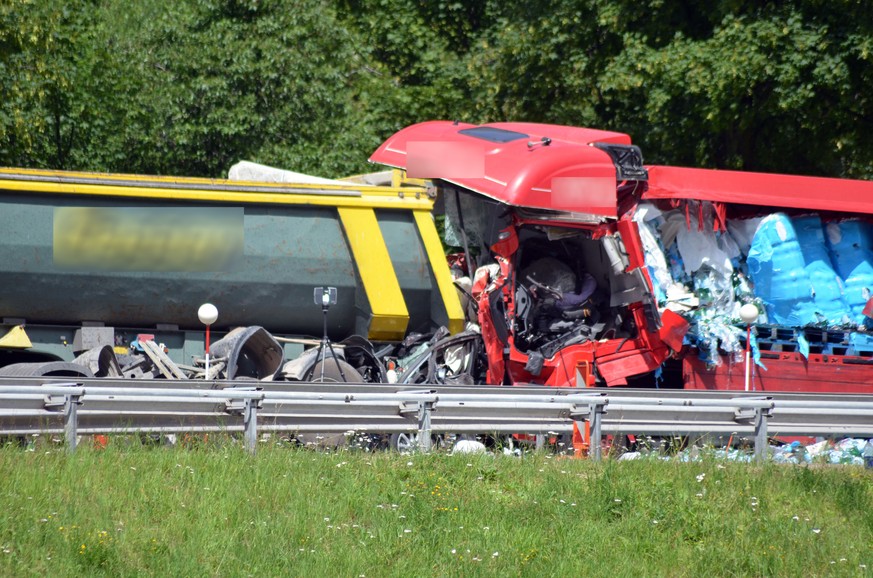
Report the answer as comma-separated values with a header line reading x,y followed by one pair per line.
x,y
324,296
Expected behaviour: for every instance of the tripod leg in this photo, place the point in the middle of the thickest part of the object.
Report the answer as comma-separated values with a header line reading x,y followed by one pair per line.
x,y
310,373
335,360
326,340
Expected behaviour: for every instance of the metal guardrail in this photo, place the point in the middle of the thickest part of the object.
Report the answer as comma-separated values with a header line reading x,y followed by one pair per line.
x,y
75,409
614,393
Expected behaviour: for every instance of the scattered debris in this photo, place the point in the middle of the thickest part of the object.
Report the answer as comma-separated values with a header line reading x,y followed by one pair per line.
x,y
469,447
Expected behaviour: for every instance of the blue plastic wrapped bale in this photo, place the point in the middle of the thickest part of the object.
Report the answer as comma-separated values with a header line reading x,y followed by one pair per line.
x,y
778,270
677,266
659,291
851,247
829,304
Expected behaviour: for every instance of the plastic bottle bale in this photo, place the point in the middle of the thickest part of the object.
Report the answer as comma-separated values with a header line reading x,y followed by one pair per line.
x,y
778,270
851,248
867,454
656,262
701,248
829,304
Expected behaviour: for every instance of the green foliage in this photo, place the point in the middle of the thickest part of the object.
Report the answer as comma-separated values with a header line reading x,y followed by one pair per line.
x,y
190,87
542,62
52,70
755,94
418,55
725,84
233,80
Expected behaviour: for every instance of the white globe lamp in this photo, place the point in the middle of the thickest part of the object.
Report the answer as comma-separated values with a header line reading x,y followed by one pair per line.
x,y
749,314
208,314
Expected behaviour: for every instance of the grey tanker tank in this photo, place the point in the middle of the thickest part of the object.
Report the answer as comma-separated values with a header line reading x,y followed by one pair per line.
x,y
130,254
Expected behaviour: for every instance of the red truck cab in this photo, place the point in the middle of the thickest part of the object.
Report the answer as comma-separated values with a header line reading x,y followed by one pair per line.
x,y
559,278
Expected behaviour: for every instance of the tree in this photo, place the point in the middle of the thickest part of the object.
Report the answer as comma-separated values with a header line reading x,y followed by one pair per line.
x,y
190,87
755,86
227,80
764,91
183,88
417,59
51,69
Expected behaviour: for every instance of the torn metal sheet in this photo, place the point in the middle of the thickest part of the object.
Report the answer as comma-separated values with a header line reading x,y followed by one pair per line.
x,y
101,361
250,352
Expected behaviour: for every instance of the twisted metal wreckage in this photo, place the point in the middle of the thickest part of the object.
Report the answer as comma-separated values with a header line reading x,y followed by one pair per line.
x,y
577,265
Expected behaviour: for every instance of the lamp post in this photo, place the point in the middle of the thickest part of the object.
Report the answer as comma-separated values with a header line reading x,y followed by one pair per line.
x,y
749,314
207,313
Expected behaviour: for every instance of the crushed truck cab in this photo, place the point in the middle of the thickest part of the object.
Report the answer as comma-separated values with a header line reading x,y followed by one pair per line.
x,y
559,278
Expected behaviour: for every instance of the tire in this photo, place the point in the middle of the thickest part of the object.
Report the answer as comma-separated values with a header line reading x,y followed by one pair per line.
x,y
331,375
332,372
47,369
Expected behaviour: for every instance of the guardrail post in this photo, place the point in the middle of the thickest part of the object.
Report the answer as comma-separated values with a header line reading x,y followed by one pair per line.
x,y
250,420
424,410
248,408
595,426
71,421
744,413
761,446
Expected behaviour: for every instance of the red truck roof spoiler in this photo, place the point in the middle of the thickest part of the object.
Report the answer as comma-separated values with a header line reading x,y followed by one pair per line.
x,y
521,164
760,189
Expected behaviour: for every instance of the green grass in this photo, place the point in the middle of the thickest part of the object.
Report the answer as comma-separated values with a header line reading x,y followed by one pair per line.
x,y
215,511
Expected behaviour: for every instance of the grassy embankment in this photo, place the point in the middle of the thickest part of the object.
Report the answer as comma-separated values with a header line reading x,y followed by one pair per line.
x,y
140,511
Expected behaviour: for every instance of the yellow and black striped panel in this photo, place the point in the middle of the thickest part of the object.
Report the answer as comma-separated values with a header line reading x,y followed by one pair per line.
x,y
387,308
